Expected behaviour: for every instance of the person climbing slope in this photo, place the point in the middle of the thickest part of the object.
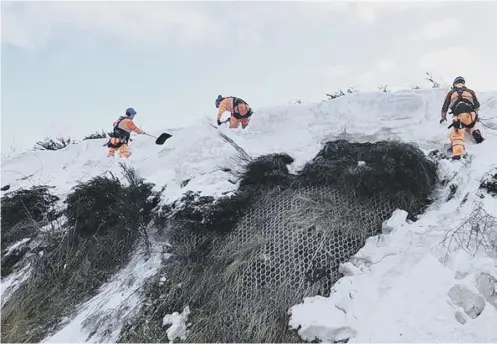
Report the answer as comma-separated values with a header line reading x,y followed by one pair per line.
x,y
120,137
239,109
464,106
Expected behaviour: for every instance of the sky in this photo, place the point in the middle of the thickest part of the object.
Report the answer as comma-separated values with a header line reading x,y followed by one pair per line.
x,y
70,68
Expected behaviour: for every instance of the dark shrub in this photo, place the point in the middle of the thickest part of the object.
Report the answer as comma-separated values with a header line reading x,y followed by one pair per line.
x,y
388,167
24,211
53,145
489,182
96,135
104,220
267,171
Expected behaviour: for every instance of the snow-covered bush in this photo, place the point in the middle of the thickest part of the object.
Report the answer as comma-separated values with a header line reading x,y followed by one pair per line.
x,y
24,211
278,238
53,145
96,135
105,217
489,182
340,93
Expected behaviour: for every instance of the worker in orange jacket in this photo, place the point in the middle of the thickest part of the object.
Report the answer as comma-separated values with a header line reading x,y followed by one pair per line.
x,y
120,137
240,111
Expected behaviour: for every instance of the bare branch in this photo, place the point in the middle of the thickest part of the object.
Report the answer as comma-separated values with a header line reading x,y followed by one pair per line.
x,y
434,83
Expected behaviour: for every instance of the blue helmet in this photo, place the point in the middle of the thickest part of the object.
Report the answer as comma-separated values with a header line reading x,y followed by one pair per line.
x,y
219,100
130,112
458,80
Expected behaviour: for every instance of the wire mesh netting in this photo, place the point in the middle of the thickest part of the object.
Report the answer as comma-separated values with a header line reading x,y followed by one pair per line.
x,y
302,236
288,246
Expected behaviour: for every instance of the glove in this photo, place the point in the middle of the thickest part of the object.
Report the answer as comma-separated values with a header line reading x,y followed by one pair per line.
x,y
456,124
219,122
444,118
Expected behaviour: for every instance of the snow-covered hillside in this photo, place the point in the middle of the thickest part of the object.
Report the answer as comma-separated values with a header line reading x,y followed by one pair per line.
x,y
403,286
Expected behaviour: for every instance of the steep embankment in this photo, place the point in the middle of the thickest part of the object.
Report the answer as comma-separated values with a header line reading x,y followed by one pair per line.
x,y
381,275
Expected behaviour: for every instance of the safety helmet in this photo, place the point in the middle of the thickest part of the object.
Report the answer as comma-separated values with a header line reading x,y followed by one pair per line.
x,y
130,112
458,80
219,99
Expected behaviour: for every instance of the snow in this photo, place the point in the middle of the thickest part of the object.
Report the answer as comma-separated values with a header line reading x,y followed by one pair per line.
x,y
13,281
397,288
398,219
16,246
403,286
101,318
178,322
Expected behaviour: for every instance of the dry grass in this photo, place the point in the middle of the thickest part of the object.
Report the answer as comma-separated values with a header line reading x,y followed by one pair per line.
x,y
80,259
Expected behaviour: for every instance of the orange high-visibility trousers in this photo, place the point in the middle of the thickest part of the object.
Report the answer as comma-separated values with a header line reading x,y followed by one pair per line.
x,y
456,135
235,123
122,148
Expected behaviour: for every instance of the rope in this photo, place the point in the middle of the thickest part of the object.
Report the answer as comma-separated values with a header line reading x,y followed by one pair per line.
x,y
487,126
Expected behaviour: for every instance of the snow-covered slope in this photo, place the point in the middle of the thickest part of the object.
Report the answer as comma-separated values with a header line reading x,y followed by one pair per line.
x,y
398,286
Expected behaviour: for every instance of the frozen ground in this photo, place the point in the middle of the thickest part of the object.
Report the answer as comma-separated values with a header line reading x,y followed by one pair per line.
x,y
400,287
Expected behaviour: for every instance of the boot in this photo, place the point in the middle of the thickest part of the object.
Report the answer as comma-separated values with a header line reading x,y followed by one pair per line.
x,y
477,136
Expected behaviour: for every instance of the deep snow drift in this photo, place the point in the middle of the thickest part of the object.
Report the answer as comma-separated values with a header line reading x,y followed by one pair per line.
x,y
404,285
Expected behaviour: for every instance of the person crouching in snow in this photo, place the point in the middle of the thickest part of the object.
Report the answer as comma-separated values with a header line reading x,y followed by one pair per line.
x,y
464,105
120,137
239,109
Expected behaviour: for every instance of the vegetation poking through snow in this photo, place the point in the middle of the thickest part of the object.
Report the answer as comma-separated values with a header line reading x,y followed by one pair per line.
x,y
25,211
341,93
53,145
476,234
489,182
96,135
434,84
105,219
382,88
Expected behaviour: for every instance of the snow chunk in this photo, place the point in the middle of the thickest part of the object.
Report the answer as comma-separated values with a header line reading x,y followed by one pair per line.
x,y
398,219
472,303
320,319
460,317
403,299
178,324
487,286
348,269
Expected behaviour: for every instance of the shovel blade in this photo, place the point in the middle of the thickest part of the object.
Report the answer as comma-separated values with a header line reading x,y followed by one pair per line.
x,y
162,138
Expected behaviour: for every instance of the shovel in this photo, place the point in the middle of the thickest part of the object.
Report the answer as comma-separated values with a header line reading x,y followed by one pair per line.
x,y
161,139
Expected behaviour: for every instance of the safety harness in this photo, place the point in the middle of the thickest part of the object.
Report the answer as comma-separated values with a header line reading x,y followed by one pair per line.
x,y
462,105
236,114
120,134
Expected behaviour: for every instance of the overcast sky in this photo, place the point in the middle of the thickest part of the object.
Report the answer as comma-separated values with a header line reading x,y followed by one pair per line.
x,y
71,68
